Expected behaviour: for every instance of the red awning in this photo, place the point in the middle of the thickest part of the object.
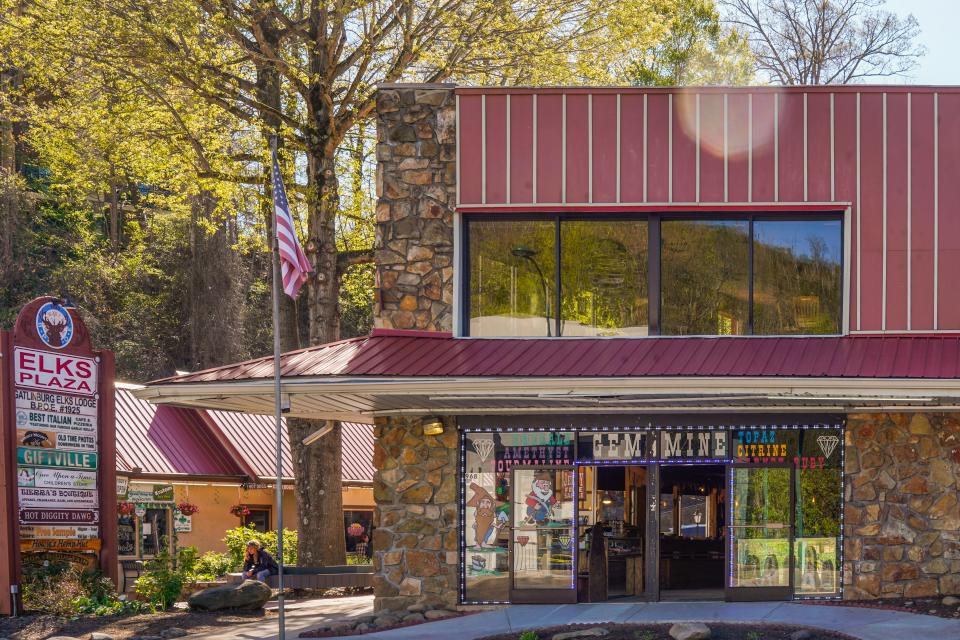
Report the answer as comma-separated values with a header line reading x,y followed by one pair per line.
x,y
417,354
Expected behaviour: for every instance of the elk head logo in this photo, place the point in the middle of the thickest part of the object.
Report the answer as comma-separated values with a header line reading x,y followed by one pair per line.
x,y
54,325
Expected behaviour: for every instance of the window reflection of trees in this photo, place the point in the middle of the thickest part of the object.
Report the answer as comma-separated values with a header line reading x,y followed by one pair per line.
x,y
705,277
797,277
604,278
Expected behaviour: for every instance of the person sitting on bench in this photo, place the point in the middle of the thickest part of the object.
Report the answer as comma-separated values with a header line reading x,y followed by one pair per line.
x,y
259,564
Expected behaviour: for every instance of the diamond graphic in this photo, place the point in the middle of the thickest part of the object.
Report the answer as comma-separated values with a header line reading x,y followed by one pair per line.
x,y
483,449
828,444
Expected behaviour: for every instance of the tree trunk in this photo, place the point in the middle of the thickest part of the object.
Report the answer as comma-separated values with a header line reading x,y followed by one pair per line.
x,y
317,468
10,195
269,93
213,287
323,201
317,478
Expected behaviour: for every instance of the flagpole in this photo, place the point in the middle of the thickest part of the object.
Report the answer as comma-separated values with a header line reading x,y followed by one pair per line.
x,y
277,405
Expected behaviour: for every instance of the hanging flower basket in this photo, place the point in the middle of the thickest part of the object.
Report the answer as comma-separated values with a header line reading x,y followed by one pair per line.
x,y
355,530
240,510
187,509
126,508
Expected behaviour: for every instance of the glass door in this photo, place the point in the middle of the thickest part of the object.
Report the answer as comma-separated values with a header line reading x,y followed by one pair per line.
x,y
543,537
759,545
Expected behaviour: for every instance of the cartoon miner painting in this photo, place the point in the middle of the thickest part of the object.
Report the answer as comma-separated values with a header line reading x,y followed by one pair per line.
x,y
541,499
485,517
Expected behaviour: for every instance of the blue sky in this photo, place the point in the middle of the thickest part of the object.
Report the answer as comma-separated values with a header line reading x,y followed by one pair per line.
x,y
938,25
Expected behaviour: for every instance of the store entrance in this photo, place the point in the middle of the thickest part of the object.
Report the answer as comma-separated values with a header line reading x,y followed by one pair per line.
x,y
692,513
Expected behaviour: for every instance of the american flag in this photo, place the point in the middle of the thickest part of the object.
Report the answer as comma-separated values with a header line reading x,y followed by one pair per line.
x,y
294,265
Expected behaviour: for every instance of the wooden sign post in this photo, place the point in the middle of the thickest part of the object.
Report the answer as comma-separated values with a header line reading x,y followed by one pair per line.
x,y
58,459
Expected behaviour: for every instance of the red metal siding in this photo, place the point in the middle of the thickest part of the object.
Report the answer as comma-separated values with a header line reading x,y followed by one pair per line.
x,y
658,147
763,160
603,148
869,149
712,143
684,136
922,128
871,213
819,127
895,264
632,146
521,148
949,216
791,169
496,154
577,149
738,148
845,158
470,160
549,148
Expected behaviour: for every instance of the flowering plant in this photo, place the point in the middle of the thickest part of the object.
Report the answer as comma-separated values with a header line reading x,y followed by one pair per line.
x,y
125,508
188,509
240,510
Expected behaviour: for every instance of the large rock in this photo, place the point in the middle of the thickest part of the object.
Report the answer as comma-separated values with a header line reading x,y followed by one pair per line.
x,y
250,594
690,631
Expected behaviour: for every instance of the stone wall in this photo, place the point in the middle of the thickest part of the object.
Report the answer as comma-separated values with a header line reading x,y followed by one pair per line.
x,y
416,191
415,523
902,519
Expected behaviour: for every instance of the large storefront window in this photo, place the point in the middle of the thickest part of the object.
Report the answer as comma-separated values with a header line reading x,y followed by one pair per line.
x,y
512,278
752,512
603,275
818,485
706,282
797,277
488,459
569,275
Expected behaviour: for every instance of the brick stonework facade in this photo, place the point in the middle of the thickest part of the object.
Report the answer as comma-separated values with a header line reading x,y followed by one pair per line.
x,y
902,518
416,191
415,524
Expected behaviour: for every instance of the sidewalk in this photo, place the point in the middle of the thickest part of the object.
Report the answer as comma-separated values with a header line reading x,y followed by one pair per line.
x,y
862,623
299,615
865,624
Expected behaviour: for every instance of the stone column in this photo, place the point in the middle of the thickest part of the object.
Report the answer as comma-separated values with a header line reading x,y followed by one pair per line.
x,y
416,191
902,517
415,534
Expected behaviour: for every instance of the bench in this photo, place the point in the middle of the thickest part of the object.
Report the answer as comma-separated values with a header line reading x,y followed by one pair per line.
x,y
343,575
130,569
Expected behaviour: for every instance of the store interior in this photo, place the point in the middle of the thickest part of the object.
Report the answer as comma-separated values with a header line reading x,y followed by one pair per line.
x,y
691,506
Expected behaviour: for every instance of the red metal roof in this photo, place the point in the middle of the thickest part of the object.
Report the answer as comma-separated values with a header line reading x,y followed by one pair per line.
x,y
167,440
397,353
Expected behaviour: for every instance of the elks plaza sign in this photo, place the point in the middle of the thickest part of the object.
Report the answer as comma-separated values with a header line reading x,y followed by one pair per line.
x,y
54,372
56,405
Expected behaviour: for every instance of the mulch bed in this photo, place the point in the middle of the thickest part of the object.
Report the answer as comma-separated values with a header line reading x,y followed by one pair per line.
x,y
334,633
39,626
926,606
720,631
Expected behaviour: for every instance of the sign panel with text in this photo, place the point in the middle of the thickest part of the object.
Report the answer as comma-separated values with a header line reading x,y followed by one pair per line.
x,y
57,498
33,369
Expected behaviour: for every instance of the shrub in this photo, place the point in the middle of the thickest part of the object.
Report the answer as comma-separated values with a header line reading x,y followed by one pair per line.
x,y
529,635
212,565
160,584
63,590
187,558
236,540
51,587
